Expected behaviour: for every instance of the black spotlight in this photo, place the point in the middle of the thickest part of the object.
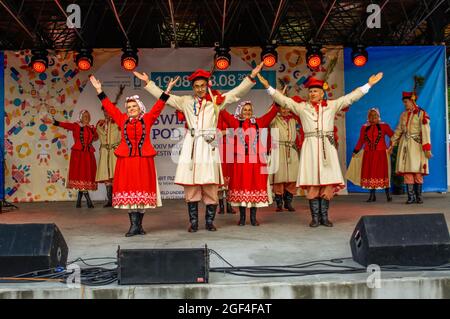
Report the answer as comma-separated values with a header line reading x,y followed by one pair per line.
x,y
222,58
130,59
84,59
269,55
314,57
359,55
39,60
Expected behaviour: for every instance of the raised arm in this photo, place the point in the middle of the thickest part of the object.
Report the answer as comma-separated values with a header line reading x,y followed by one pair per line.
x,y
355,95
266,119
280,98
159,105
229,119
66,125
173,101
242,89
110,108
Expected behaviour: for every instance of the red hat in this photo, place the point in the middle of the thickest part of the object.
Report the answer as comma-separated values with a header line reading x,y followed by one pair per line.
x,y
199,74
314,83
409,95
297,99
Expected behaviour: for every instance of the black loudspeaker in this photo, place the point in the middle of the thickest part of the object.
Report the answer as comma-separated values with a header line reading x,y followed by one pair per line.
x,y
27,248
163,266
404,240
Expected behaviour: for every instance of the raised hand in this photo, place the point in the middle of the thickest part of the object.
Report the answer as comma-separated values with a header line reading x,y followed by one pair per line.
x,y
256,70
374,79
96,83
284,89
263,81
171,84
142,76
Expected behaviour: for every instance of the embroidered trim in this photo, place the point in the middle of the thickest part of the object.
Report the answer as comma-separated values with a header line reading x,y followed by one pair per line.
x,y
82,185
134,198
238,196
375,182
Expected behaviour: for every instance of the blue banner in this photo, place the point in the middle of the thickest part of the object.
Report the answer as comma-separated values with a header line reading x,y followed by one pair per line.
x,y
400,65
221,80
2,126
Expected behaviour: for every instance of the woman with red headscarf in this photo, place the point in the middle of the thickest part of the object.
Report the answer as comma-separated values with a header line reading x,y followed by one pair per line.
x,y
82,166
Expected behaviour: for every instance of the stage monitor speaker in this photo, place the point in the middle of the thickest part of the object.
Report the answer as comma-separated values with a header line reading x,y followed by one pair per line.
x,y
26,248
404,240
163,266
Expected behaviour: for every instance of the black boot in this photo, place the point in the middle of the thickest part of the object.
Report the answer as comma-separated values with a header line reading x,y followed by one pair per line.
x,y
88,199
230,209
324,205
209,217
411,194
141,229
388,194
134,224
418,191
288,201
221,207
279,201
242,213
193,216
109,196
80,196
253,220
372,197
314,207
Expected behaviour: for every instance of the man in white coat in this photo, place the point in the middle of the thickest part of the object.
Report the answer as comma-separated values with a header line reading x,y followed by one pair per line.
x,y
199,170
319,170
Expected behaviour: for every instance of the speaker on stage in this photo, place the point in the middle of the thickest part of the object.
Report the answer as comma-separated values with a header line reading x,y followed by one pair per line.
x,y
27,248
163,266
405,240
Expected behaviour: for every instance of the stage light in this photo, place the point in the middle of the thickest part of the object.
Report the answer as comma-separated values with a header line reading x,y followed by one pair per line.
x,y
359,56
130,59
222,58
84,59
314,57
39,60
269,55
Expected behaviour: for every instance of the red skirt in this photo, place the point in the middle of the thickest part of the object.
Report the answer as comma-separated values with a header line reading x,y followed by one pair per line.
x,y
375,171
82,170
248,185
135,183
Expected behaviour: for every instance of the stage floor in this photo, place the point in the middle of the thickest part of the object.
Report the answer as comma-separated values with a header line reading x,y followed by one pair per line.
x,y
283,238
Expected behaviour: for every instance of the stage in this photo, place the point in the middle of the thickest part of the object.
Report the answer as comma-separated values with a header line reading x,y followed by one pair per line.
x,y
283,238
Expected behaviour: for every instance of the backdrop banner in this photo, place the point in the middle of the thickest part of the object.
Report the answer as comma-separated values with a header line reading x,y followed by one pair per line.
x,y
400,65
37,153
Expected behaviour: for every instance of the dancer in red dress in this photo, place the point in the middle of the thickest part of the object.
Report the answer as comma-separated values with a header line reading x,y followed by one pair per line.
x,y
135,184
82,166
249,179
375,169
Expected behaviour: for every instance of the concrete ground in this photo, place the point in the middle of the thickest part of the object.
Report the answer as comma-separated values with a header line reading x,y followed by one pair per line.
x,y
283,238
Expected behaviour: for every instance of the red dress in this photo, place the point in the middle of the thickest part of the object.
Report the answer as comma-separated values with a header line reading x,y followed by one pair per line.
x,y
374,171
248,184
135,184
82,166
